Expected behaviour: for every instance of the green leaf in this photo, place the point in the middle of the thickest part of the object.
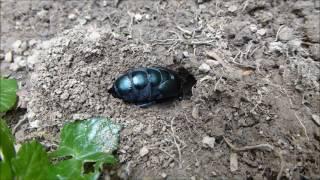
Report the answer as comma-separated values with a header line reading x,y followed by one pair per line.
x,y
91,140
8,97
5,171
7,151
70,169
31,162
6,142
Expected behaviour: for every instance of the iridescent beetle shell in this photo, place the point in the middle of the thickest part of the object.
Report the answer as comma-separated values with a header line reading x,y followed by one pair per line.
x,y
147,85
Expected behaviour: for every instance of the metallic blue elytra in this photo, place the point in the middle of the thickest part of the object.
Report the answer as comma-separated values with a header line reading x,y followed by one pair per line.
x,y
145,86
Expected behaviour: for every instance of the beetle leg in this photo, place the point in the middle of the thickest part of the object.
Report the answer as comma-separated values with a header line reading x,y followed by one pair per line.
x,y
145,105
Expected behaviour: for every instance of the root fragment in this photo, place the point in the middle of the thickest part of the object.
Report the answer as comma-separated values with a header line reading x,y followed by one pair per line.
x,y
267,147
304,127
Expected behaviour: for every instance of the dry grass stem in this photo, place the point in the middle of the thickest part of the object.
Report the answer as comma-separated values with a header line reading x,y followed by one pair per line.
x,y
267,147
304,127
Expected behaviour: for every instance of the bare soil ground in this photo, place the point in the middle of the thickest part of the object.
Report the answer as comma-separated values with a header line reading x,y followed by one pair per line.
x,y
254,111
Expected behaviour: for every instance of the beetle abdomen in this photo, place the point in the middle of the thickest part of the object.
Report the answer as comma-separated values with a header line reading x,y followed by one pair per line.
x,y
147,85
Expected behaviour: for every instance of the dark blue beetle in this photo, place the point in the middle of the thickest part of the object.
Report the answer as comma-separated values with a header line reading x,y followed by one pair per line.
x,y
146,86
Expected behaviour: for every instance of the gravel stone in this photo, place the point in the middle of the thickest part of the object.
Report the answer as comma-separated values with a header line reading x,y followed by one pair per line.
x,y
185,54
8,57
144,151
65,95
233,162
208,141
312,28
212,63
316,119
149,131
14,67
16,45
204,67
253,28
32,42
233,8
277,47
72,16
315,52
262,32
286,34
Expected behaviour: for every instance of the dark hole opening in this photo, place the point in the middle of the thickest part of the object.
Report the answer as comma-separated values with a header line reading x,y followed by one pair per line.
x,y
188,81
88,167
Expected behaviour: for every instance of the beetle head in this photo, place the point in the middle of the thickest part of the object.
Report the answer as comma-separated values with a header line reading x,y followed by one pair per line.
x,y
113,92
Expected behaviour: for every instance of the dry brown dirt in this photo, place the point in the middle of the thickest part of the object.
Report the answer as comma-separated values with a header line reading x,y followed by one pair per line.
x,y
256,100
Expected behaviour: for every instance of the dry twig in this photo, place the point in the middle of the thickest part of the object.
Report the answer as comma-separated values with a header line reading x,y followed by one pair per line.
x,y
304,127
184,30
277,35
170,155
21,121
267,147
175,141
216,85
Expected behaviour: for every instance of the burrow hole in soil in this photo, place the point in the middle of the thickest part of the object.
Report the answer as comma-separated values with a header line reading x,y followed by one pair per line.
x,y
188,81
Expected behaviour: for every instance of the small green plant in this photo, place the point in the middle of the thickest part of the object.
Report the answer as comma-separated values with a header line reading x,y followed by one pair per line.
x,y
92,140
8,97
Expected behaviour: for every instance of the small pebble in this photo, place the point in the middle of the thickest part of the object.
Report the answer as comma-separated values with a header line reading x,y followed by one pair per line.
x,y
286,34
14,67
316,119
195,112
185,54
164,175
262,32
23,46
200,1
149,131
204,67
42,14
138,17
202,6
16,45
253,28
315,52
22,63
171,165
138,128
212,63
208,141
94,36
233,162
8,57
32,60
72,16
294,44
147,16
32,42
34,124
88,17
214,173
104,3
232,8
144,151
64,96
277,46
82,21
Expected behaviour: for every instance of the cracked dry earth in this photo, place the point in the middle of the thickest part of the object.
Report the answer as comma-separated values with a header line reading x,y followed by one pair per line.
x,y
257,66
